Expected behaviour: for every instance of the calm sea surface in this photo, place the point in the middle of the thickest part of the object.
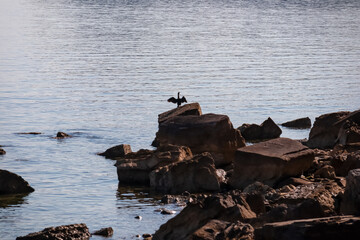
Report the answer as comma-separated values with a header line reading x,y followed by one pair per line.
x,y
102,71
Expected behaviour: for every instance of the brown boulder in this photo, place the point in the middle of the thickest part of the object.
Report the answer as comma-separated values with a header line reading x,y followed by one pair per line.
x,y
217,229
267,130
329,228
11,183
270,161
68,232
298,123
105,232
135,167
117,151
326,171
344,161
349,133
351,200
225,207
195,175
61,135
185,110
205,133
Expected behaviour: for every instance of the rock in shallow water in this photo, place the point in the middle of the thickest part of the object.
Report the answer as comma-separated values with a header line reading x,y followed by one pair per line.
x,y
11,183
298,123
267,130
65,232
117,151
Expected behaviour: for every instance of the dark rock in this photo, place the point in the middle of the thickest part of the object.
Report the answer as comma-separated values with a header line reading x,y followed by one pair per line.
x,y
267,130
293,181
351,199
65,232
30,133
205,133
117,151
217,229
105,232
2,151
147,235
185,110
335,128
270,162
195,175
61,135
298,123
330,228
11,183
167,211
326,172
135,167
223,207
344,161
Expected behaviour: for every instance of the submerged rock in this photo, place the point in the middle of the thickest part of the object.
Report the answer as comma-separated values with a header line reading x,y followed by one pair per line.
x,y
298,123
270,161
61,135
2,151
267,130
205,133
11,183
68,232
330,228
117,151
105,232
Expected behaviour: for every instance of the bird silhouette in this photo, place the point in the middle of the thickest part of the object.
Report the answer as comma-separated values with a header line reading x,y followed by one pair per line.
x,y
178,101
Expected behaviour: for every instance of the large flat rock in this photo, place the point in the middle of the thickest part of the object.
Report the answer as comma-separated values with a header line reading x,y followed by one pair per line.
x,y
185,110
212,133
270,161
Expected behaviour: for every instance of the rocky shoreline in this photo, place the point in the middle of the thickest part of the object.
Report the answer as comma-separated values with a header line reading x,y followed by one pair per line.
x,y
273,188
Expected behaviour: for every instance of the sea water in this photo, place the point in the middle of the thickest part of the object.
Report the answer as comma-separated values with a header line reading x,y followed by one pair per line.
x,y
102,70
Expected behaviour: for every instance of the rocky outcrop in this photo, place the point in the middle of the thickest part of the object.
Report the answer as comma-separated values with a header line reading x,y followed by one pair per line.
x,y
135,167
330,129
298,123
117,151
195,175
11,183
351,200
267,130
68,232
211,133
270,162
330,228
185,110
229,207
217,229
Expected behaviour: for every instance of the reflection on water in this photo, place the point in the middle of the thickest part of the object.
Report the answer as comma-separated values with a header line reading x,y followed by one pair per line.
x,y
12,200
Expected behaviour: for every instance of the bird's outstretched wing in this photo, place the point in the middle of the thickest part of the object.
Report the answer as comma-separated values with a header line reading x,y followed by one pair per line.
x,y
172,99
183,99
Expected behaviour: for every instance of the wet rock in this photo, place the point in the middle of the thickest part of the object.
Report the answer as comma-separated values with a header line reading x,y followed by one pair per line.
x,y
267,130
330,129
330,228
61,135
117,151
138,217
351,199
2,151
217,229
105,232
11,183
225,207
205,133
30,133
195,175
147,236
298,123
270,161
167,211
135,167
185,110
68,232
326,172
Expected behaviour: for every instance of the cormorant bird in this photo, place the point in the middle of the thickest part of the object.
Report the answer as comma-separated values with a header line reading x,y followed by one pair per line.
x,y
178,100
